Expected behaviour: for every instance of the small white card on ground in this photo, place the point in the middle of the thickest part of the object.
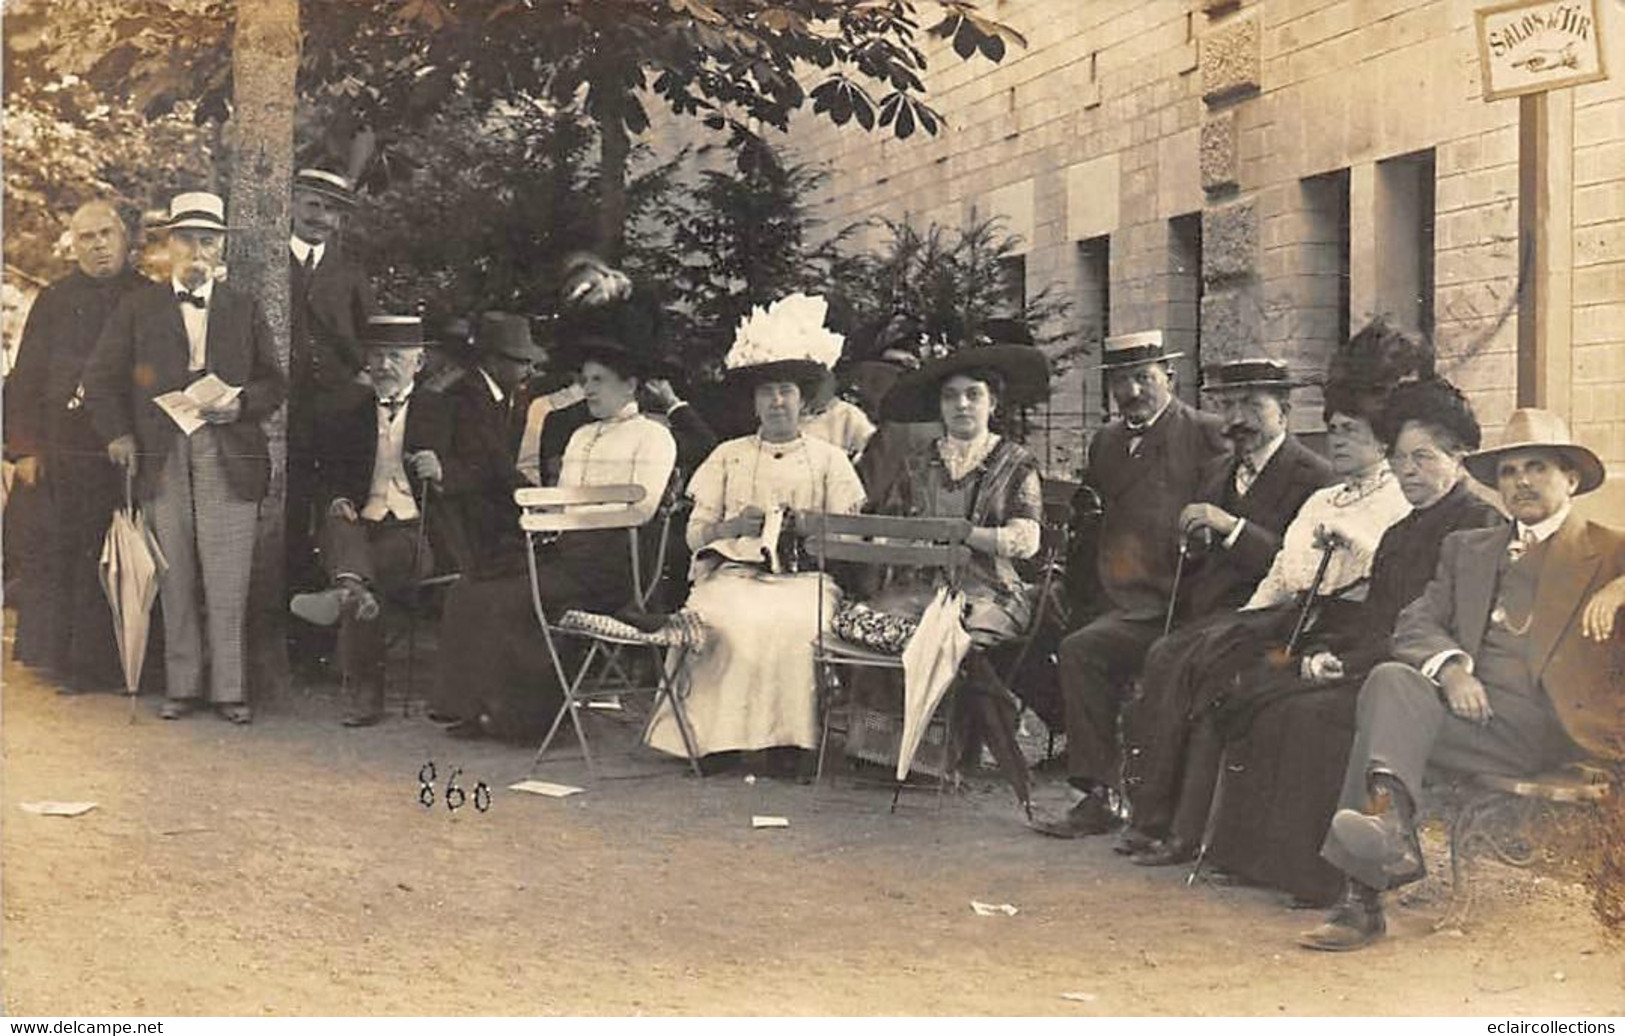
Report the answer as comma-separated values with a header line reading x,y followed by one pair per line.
x,y
992,909
58,809
548,788
761,821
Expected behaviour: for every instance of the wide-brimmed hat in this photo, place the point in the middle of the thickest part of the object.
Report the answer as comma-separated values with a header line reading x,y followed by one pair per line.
x,y
329,185
1245,375
1004,347
1532,428
786,341
1133,350
394,332
196,210
508,335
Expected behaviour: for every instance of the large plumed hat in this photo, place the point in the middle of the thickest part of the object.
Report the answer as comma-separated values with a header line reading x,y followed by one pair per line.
x,y
1365,369
602,311
1531,428
786,341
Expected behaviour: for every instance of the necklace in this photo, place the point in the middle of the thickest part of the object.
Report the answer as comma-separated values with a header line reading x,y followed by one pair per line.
x,y
1348,496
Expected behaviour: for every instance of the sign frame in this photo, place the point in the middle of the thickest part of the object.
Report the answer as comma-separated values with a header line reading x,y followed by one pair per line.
x,y
1486,63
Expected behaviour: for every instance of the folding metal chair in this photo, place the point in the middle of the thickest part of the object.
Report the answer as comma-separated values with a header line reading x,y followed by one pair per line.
x,y
555,510
875,540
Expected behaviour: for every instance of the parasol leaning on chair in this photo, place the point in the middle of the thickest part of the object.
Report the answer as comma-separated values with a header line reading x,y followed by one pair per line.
x,y
130,569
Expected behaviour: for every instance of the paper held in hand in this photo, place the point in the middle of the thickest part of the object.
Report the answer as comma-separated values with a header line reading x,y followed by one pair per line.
x,y
185,407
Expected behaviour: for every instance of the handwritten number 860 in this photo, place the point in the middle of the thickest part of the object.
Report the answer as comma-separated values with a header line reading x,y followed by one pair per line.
x,y
455,796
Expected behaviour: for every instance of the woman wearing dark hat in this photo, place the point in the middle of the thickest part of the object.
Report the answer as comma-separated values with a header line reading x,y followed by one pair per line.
x,y
496,676
972,472
752,686
1288,731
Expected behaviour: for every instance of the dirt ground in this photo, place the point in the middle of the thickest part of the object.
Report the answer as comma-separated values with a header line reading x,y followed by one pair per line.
x,y
288,868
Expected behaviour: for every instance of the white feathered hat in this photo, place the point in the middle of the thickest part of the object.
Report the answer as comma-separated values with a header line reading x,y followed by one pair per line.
x,y
787,341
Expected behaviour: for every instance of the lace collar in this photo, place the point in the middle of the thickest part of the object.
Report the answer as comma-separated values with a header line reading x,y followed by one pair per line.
x,y
962,456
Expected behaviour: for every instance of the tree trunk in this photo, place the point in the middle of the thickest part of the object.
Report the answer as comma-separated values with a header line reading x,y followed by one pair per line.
x,y
265,60
614,154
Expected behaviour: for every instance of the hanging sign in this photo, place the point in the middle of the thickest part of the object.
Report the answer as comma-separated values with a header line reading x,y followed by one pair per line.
x,y
1530,46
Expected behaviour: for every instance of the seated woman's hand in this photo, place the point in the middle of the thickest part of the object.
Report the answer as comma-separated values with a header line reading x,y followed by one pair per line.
x,y
1321,667
1331,536
746,523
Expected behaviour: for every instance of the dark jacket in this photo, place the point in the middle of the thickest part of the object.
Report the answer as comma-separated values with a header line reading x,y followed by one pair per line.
x,y
143,354
1142,495
1224,578
349,438
485,443
43,409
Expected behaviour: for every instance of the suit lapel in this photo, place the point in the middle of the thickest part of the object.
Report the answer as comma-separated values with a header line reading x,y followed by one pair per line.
x,y
1271,484
1475,587
214,334
1570,565
175,324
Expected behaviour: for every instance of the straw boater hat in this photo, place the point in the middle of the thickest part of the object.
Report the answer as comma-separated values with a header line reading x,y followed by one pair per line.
x,y
394,332
787,341
1530,428
1004,347
1133,350
196,210
329,185
1246,375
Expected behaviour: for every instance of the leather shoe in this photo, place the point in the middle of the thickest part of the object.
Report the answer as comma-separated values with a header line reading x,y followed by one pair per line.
x,y
1133,842
322,608
177,708
1167,853
1385,840
1354,924
1091,816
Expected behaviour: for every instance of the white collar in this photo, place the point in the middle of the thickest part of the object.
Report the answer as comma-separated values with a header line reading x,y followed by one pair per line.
x,y
405,393
625,413
962,456
1542,531
205,292
1265,453
302,248
491,383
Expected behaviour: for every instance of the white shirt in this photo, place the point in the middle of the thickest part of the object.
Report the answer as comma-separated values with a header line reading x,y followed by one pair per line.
x,y
840,424
497,395
390,492
1540,532
625,449
197,323
1259,458
1137,433
302,248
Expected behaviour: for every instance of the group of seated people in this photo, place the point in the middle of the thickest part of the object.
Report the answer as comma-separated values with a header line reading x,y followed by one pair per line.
x,y
1235,692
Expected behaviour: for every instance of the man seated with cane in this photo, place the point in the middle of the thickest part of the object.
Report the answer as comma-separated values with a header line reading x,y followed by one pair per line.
x,y
380,458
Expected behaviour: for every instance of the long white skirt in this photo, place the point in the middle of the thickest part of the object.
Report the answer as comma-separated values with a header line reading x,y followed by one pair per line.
x,y
752,686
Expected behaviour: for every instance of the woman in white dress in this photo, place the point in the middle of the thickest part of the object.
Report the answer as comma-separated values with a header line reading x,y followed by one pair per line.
x,y
752,686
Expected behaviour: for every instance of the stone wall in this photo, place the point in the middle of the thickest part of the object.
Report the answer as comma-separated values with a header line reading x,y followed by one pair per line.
x,y
1260,117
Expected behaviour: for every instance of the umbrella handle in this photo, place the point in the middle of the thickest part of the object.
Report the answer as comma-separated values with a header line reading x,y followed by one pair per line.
x,y
1309,599
129,489
1173,592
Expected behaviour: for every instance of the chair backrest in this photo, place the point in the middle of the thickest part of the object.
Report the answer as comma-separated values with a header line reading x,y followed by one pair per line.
x,y
572,508
873,539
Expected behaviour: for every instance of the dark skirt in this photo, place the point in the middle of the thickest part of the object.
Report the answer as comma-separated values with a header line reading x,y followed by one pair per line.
x,y
493,658
1284,772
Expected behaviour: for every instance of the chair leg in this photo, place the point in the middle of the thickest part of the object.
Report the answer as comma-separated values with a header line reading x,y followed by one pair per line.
x,y
572,706
670,691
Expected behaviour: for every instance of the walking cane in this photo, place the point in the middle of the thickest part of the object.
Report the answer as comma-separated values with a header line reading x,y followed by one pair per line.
x,y
129,508
1210,827
411,612
1173,592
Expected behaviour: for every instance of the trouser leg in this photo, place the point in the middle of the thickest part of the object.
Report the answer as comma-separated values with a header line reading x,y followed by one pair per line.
x,y
1097,667
170,511
226,531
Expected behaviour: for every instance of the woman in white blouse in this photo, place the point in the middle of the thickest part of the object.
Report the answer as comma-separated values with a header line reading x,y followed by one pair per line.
x,y
496,676
751,687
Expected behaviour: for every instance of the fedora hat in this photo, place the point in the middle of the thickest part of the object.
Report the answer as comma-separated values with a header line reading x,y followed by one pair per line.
x,y
1239,375
329,185
1005,347
196,210
394,332
1532,428
508,335
1133,350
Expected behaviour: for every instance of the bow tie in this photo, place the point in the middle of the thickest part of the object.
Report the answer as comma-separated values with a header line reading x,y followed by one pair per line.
x,y
188,299
393,405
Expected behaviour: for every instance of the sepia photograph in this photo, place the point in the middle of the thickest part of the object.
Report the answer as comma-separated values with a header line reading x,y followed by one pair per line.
x,y
1098,510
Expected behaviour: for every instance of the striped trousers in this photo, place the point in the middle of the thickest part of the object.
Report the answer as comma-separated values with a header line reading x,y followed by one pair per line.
x,y
207,535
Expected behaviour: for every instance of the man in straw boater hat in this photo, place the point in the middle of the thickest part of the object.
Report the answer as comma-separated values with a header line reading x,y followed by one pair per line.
x,y
1508,663
331,301
200,464
1146,465
380,458
1231,533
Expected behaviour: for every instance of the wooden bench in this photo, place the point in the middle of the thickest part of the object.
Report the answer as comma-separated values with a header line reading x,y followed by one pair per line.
x,y
1488,813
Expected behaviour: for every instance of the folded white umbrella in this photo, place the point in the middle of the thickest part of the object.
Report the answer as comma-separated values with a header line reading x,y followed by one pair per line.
x,y
130,570
931,661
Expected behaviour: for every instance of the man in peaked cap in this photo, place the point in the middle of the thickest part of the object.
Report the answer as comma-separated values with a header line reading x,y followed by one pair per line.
x,y
1508,663
331,301
1146,465
381,457
201,485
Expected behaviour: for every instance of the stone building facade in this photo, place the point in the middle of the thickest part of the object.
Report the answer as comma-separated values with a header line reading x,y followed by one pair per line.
x,y
1266,175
